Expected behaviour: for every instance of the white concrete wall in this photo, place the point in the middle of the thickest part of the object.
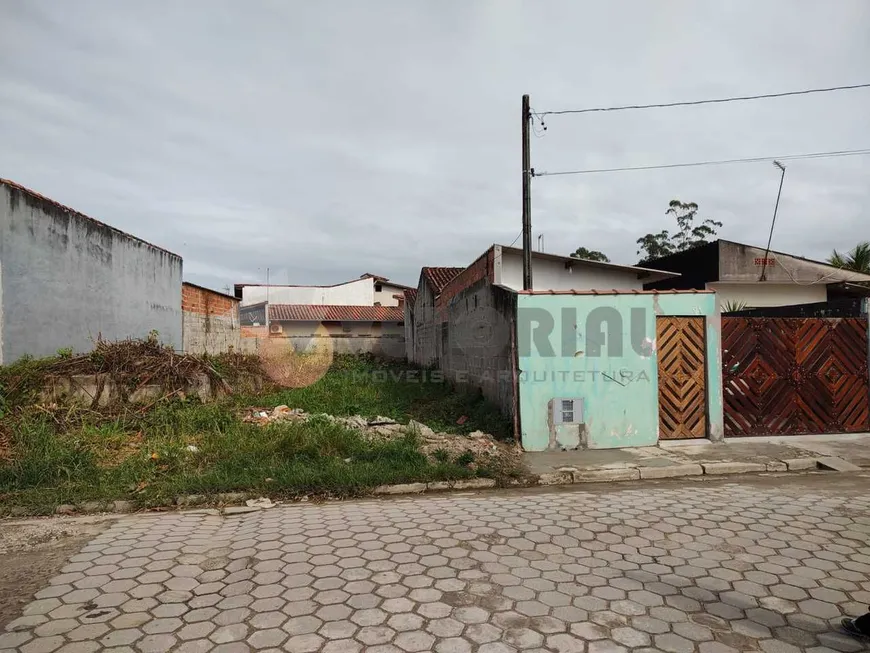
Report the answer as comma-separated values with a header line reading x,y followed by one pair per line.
x,y
380,338
385,296
761,294
67,280
552,275
352,293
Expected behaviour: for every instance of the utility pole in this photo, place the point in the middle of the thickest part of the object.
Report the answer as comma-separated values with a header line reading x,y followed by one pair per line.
x,y
527,198
772,223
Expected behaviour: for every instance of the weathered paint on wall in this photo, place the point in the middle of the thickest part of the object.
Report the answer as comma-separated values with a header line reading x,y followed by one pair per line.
x,y
599,351
384,339
68,279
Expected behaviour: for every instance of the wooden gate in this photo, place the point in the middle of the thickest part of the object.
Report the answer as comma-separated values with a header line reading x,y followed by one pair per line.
x,y
682,377
789,376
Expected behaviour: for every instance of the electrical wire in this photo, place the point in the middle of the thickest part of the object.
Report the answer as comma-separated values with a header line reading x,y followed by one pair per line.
x,y
692,164
516,239
741,98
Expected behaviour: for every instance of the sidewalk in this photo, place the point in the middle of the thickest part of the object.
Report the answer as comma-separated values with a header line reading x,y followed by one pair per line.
x,y
672,458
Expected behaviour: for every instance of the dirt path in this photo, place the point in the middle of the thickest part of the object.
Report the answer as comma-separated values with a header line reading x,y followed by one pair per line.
x,y
35,550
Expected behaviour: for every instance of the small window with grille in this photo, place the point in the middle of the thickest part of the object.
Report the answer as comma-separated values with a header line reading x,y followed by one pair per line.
x,y
567,411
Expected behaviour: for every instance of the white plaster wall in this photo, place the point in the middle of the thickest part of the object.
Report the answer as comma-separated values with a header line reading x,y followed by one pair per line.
x,y
353,293
552,275
761,294
385,296
68,279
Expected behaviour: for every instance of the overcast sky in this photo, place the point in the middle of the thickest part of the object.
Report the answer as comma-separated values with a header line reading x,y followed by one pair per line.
x,y
328,139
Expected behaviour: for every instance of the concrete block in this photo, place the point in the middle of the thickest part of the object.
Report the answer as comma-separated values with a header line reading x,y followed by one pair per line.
x,y
241,510
438,486
556,478
65,509
604,475
474,484
776,466
733,468
123,506
671,471
404,488
798,464
837,464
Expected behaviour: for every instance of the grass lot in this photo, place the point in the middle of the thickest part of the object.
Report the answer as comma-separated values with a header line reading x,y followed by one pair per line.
x,y
68,455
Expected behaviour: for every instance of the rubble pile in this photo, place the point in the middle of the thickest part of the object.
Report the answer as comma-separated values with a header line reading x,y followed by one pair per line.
x,y
482,445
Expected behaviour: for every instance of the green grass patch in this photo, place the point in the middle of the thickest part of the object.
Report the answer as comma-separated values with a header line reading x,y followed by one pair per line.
x,y
69,455
366,386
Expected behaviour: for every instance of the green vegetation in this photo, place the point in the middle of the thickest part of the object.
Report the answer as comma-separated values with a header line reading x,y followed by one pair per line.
x,y
64,454
368,387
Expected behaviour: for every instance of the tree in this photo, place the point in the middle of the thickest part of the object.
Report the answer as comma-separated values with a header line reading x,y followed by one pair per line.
x,y
687,236
590,255
857,259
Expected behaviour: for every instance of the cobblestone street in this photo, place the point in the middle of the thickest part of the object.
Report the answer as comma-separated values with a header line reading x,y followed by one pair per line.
x,y
714,567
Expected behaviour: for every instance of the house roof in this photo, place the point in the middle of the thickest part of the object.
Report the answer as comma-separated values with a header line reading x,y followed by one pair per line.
x,y
660,274
48,202
333,313
688,259
410,295
439,277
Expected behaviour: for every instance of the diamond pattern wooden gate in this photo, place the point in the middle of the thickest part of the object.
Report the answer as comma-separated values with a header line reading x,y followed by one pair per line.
x,y
788,376
682,377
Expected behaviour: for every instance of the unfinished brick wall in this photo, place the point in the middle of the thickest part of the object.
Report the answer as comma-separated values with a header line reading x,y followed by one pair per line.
x,y
210,320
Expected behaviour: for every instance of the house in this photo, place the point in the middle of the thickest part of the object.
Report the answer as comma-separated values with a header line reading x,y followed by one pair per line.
x,y
368,290
210,320
67,279
746,277
364,315
585,359
377,330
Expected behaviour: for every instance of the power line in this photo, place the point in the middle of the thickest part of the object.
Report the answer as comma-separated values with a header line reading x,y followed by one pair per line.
x,y
787,157
711,101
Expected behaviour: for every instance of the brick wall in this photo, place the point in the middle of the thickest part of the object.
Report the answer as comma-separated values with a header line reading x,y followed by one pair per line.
x,y
210,320
482,268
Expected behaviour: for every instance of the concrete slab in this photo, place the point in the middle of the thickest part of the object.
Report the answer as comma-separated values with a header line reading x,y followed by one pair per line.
x,y
837,464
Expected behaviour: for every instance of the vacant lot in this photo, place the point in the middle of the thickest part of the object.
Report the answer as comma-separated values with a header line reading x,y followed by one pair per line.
x,y
67,454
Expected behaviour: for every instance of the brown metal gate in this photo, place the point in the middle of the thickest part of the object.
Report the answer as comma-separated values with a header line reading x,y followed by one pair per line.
x,y
682,377
789,376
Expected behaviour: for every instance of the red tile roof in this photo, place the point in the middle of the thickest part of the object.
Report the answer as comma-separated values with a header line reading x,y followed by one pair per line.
x,y
440,277
411,295
333,313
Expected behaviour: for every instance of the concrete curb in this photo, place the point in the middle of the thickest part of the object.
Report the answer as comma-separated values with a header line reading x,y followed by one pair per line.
x,y
231,502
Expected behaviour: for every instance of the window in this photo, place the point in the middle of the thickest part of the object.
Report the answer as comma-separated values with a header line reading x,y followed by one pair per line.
x,y
378,287
567,411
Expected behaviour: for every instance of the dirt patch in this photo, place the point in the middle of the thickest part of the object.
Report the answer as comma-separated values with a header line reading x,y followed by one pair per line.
x,y
479,447
34,551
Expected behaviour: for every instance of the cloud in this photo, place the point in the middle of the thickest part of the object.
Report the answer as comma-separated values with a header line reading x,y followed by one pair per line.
x,y
323,140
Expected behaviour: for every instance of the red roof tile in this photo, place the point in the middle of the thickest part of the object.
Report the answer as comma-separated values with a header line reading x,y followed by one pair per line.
x,y
333,313
411,295
440,277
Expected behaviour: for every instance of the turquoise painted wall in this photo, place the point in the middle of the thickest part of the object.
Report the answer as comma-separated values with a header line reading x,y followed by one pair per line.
x,y
600,349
